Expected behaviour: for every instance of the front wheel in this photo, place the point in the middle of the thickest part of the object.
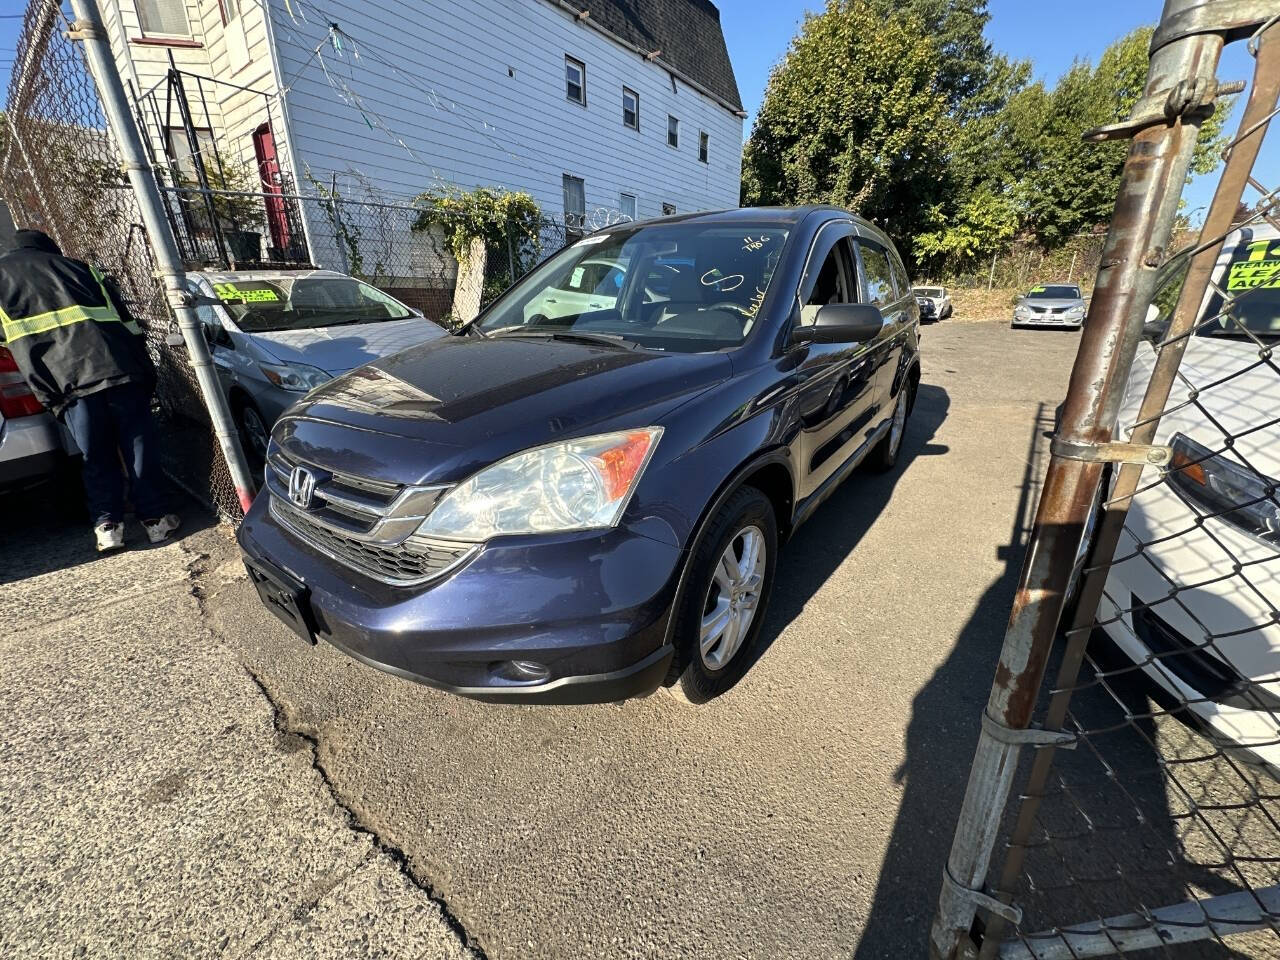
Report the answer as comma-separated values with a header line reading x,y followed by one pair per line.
x,y
725,598
254,434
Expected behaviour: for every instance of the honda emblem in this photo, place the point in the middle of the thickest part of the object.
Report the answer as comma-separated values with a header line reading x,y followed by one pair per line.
x,y
302,484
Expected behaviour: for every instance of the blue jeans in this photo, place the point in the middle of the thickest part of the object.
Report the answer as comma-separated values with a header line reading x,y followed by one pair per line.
x,y
109,427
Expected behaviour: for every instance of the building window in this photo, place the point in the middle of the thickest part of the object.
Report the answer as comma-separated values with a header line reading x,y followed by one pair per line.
x,y
704,145
668,209
230,9
575,206
630,109
575,80
627,205
673,131
165,17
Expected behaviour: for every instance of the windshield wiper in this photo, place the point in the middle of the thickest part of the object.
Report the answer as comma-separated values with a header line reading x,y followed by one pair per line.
x,y
574,336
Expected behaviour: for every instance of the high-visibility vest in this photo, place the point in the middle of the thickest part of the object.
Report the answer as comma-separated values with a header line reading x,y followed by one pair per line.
x,y
15,328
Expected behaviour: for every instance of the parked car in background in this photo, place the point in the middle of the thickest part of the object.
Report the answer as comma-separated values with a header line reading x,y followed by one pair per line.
x,y
1215,643
33,445
586,507
935,302
592,286
1050,305
275,335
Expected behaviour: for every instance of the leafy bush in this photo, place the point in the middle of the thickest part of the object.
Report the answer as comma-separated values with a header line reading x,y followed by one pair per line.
x,y
492,215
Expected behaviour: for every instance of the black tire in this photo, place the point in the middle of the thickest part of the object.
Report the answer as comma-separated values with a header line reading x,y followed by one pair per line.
x,y
884,455
255,453
691,679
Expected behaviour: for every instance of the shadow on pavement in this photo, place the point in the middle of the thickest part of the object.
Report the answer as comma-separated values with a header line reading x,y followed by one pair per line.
x,y
46,528
819,547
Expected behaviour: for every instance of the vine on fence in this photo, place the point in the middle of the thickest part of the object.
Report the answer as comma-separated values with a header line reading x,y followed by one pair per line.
x,y
347,234
485,213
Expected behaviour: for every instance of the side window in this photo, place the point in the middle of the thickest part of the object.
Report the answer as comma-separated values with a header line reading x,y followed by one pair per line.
x,y
875,260
900,282
835,282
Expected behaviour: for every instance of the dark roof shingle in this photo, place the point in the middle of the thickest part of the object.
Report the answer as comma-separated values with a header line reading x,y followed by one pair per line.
x,y
686,32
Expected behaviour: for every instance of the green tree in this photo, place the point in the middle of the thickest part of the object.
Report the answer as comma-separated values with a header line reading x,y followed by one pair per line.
x,y
852,116
964,55
1071,186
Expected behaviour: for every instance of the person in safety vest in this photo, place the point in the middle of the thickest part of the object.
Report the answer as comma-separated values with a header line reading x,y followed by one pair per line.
x,y
85,358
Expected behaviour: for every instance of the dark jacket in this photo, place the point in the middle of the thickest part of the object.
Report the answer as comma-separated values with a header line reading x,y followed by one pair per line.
x,y
65,324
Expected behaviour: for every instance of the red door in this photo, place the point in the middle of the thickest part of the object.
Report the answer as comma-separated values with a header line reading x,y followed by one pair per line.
x,y
264,147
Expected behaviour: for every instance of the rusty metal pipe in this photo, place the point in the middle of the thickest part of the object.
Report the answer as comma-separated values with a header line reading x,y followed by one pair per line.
x,y
1157,165
1226,200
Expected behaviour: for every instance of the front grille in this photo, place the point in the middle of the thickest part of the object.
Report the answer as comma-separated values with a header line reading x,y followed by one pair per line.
x,y
368,525
415,561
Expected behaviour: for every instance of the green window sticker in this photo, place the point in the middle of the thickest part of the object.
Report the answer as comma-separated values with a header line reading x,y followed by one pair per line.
x,y
230,291
1037,289
1252,274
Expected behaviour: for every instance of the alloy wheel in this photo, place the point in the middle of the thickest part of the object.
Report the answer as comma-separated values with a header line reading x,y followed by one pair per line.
x,y
732,597
899,422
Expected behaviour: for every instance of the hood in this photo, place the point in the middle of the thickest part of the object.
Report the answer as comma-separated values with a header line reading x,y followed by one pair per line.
x,y
1235,390
336,350
441,411
1045,303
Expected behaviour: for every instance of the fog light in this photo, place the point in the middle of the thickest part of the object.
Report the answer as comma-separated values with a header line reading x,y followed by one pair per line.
x,y
522,671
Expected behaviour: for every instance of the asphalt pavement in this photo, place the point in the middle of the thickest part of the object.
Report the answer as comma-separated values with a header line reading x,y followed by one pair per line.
x,y
807,812
181,776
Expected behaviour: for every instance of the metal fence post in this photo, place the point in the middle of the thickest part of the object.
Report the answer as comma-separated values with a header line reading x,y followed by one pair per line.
x,y
1166,122
88,28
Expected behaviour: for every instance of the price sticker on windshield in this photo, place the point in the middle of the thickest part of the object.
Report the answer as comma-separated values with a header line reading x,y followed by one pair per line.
x,y
1252,274
229,291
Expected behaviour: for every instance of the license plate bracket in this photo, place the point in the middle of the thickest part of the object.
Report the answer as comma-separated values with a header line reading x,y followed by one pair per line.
x,y
284,595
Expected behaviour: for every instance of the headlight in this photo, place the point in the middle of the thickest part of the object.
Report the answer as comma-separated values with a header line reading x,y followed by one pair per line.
x,y
1229,490
576,485
1021,312
294,377
1075,313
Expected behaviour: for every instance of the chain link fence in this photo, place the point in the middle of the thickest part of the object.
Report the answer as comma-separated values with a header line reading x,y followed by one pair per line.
x,y
1143,810
60,172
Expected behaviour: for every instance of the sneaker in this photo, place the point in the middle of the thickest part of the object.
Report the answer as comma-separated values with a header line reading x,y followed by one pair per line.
x,y
110,536
158,530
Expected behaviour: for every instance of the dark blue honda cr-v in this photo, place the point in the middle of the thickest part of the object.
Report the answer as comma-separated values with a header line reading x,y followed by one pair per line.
x,y
581,496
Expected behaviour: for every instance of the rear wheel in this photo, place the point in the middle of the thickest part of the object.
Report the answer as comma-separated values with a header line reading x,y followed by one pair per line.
x,y
726,595
885,453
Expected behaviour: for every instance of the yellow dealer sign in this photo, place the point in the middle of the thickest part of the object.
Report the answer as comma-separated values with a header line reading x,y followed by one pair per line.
x,y
1261,268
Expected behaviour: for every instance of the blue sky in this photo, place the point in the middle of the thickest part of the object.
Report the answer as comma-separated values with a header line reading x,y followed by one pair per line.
x,y
758,32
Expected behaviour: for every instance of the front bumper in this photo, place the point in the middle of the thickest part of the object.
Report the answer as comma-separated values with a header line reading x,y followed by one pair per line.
x,y
1048,320
592,609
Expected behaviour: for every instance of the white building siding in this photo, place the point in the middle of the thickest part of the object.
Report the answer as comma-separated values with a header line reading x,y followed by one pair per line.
x,y
436,75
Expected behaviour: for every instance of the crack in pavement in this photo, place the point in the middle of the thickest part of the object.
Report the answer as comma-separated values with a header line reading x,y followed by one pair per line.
x,y
287,724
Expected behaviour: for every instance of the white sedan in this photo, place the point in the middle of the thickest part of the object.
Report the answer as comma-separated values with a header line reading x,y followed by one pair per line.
x,y
594,285
1193,598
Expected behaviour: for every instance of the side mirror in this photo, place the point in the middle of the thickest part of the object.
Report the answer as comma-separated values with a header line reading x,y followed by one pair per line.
x,y
841,323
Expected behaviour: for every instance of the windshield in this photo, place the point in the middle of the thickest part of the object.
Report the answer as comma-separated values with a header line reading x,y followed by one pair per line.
x,y
928,291
1054,292
684,287
1253,283
305,303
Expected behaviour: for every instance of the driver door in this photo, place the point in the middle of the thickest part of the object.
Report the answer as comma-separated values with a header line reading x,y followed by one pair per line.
x,y
836,378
